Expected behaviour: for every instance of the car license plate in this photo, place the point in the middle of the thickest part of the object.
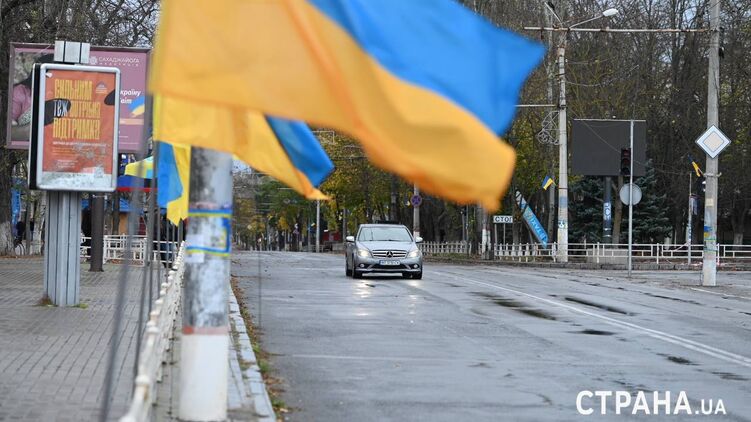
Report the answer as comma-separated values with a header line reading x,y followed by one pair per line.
x,y
389,262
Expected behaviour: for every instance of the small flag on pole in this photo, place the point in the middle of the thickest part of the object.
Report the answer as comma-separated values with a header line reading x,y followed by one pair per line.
x,y
697,170
547,182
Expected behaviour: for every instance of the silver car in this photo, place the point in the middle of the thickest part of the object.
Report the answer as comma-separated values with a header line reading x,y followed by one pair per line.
x,y
383,248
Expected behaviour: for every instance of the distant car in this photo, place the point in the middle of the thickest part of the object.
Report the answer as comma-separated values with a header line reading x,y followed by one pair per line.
x,y
383,248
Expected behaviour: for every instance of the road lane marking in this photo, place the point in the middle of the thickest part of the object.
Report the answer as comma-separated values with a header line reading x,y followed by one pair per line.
x,y
720,294
660,335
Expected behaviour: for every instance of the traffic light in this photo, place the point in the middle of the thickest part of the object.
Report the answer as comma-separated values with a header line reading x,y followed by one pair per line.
x,y
701,185
625,162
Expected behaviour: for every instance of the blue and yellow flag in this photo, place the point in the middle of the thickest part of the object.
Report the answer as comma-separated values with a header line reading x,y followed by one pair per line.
x,y
249,136
696,167
547,182
173,176
143,169
425,86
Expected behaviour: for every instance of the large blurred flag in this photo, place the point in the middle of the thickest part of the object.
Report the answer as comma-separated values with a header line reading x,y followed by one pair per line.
x,y
283,149
426,86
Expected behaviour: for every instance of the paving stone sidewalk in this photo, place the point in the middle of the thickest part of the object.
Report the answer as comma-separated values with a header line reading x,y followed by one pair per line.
x,y
53,360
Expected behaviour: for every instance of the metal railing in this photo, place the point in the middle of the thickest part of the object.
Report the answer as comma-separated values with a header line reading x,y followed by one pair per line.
x,y
115,249
600,253
156,343
445,248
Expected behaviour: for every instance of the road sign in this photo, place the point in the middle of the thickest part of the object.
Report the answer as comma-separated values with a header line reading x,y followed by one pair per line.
x,y
503,219
713,141
624,194
416,200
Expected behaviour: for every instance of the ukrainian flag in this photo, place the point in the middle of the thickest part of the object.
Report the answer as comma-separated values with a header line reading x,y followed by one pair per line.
x,y
173,176
426,86
695,165
143,169
289,151
547,182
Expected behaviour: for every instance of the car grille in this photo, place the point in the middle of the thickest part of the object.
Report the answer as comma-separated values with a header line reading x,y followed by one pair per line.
x,y
385,254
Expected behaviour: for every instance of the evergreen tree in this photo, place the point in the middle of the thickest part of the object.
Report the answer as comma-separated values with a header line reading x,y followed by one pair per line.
x,y
585,210
651,221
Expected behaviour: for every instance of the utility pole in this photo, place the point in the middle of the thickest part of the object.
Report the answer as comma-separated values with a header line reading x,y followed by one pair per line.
x,y
709,266
416,213
631,198
97,231
562,238
607,212
485,234
204,367
689,229
318,226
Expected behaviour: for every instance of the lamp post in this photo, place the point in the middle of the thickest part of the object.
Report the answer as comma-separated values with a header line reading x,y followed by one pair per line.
x,y
562,237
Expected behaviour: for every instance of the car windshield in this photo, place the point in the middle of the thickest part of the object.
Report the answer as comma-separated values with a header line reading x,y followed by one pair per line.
x,y
395,234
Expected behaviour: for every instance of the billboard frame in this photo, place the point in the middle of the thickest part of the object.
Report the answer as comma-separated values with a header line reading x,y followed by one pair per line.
x,y
42,179
14,46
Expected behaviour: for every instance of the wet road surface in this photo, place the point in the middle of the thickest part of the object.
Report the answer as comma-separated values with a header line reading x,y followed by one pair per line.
x,y
496,343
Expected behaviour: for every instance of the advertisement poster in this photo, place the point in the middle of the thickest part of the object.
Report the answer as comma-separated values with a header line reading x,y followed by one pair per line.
x,y
133,66
77,127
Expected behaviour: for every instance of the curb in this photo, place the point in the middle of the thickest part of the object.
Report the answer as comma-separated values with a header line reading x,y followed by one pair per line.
x,y
255,388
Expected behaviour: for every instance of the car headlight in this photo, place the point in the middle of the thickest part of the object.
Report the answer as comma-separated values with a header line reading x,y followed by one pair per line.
x,y
363,253
414,254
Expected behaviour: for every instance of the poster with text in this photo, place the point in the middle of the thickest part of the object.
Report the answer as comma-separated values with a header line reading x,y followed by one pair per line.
x,y
76,128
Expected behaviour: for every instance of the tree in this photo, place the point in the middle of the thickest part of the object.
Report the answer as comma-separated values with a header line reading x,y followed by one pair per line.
x,y
116,23
585,209
651,223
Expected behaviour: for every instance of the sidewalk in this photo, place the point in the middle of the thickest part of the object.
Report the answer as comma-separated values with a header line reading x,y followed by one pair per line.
x,y
247,397
53,360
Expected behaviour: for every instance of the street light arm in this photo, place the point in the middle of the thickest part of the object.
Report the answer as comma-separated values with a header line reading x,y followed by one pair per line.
x,y
584,21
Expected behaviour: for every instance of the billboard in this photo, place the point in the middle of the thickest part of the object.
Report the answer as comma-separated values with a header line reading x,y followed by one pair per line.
x,y
597,146
74,128
133,66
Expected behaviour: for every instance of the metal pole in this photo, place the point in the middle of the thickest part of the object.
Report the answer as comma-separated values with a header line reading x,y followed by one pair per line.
x,y
495,233
562,158
485,235
607,213
318,226
615,30
709,266
205,341
416,214
631,199
97,231
689,228
27,224
344,225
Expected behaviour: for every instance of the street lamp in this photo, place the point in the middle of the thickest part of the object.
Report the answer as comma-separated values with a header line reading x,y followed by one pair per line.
x,y
562,237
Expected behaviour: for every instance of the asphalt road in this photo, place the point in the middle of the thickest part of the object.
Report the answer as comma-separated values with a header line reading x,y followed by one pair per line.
x,y
498,343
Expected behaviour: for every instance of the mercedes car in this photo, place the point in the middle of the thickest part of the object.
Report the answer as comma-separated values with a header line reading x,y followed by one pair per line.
x,y
383,248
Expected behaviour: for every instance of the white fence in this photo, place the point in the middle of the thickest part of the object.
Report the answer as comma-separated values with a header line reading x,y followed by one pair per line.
x,y
156,343
445,248
115,247
600,253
